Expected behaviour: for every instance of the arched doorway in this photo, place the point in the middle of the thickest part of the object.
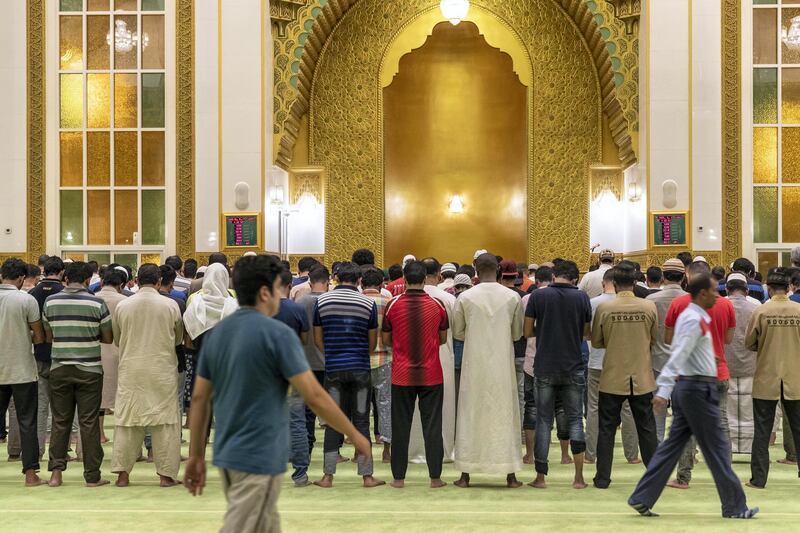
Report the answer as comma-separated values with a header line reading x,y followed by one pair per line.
x,y
455,132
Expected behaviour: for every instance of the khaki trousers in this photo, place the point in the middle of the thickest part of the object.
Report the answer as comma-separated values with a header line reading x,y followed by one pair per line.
x,y
252,502
166,448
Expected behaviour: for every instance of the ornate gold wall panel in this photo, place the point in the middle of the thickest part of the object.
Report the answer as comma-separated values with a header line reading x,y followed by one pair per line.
x,y
184,125
346,123
731,130
35,38
455,120
297,52
657,257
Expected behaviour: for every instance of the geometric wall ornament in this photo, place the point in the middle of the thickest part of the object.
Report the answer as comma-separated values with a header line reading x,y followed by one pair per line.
x,y
307,181
606,178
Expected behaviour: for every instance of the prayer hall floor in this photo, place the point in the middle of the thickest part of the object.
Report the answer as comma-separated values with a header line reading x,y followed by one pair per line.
x,y
144,507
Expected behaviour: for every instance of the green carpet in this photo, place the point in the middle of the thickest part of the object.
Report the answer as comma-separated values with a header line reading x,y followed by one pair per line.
x,y
145,507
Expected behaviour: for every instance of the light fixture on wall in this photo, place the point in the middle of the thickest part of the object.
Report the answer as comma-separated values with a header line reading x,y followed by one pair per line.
x,y
123,39
634,191
791,35
454,10
276,195
456,205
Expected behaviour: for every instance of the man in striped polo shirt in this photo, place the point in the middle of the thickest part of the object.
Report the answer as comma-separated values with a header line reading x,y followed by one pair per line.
x,y
346,331
76,322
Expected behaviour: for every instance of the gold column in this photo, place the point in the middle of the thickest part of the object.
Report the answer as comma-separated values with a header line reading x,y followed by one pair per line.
x,y
35,43
184,125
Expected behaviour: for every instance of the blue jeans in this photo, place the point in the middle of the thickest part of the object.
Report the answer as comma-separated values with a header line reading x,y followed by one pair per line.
x,y
299,438
569,390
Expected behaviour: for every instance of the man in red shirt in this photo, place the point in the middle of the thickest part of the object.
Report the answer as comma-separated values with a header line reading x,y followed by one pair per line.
x,y
398,286
415,325
723,326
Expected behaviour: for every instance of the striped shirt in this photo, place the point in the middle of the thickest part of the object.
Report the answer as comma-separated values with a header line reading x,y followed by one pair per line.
x,y
382,355
76,320
182,284
346,316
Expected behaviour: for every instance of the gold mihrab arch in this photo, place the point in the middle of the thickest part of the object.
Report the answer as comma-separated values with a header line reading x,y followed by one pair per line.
x,y
335,10
566,106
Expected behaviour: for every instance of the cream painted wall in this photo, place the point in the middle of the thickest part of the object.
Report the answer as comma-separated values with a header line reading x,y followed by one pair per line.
x,y
228,110
13,132
706,124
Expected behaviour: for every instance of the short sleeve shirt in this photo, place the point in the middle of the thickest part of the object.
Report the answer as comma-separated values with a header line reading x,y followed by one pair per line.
x,y
560,313
293,315
18,310
415,320
346,317
723,318
249,358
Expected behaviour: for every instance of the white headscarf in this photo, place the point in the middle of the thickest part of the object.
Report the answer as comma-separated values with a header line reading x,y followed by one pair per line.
x,y
211,304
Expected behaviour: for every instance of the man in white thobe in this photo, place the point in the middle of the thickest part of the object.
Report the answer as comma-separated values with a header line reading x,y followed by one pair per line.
x,y
486,318
147,327
416,449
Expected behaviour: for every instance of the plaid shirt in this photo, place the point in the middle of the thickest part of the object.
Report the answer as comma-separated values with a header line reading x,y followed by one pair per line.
x,y
382,354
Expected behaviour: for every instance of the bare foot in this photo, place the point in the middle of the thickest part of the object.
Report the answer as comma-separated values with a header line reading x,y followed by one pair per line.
x,y
99,483
103,440
539,482
579,483
675,484
55,479
512,482
342,459
750,484
636,461
437,484
149,456
32,480
527,459
168,481
787,462
326,482
371,482
566,460
123,479
387,455
463,482
398,483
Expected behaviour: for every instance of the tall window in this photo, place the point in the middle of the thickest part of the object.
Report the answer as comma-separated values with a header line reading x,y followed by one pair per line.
x,y
776,130
112,129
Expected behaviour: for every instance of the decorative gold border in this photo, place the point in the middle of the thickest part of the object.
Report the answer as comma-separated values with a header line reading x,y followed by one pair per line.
x,y
731,130
223,240
677,247
35,49
184,126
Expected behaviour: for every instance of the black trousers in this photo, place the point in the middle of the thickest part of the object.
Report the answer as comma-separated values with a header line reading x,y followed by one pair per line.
x,y
609,408
26,401
430,410
695,411
311,418
71,387
763,419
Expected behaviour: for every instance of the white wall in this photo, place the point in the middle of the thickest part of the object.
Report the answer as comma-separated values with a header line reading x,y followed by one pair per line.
x,y
229,136
13,171
706,124
635,212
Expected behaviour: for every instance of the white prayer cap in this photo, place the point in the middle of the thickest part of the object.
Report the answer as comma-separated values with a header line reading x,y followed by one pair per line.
x,y
700,259
122,269
448,267
68,260
736,276
250,254
479,253
407,259
463,279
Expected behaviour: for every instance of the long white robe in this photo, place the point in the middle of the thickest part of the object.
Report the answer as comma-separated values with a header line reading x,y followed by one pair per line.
x,y
486,317
416,445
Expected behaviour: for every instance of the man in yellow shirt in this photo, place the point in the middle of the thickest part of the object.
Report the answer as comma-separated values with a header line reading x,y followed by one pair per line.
x,y
774,332
626,327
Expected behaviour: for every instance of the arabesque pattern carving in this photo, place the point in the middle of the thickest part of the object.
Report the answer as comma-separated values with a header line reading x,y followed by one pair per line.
x,y
298,51
657,257
346,124
184,125
731,130
35,42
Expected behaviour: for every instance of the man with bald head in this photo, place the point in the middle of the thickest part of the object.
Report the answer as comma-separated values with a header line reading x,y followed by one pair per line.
x,y
486,319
